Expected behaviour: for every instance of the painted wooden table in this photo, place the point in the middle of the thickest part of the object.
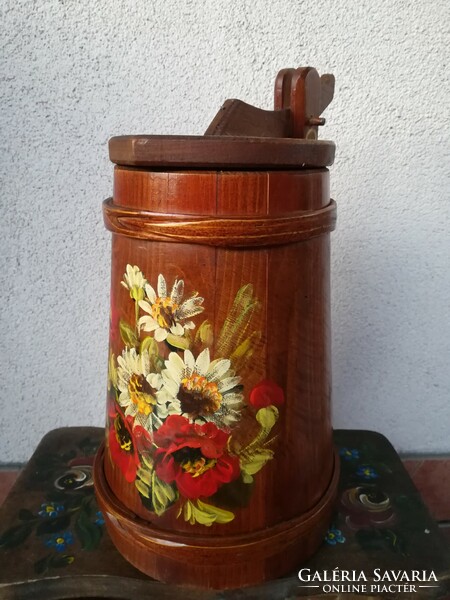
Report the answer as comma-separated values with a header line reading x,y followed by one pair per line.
x,y
53,543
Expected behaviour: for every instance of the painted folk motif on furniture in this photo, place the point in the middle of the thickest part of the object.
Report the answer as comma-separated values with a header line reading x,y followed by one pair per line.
x,y
174,408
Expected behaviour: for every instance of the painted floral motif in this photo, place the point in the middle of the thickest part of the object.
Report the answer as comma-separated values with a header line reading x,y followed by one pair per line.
x,y
367,472
201,389
367,506
50,510
166,312
60,541
334,536
193,456
175,406
349,454
68,519
138,387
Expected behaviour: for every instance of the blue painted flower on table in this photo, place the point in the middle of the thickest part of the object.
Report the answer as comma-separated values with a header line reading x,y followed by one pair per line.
x,y
50,510
349,453
99,518
367,472
60,541
334,536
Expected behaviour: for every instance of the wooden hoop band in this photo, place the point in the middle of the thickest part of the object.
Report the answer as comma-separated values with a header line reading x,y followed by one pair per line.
x,y
231,232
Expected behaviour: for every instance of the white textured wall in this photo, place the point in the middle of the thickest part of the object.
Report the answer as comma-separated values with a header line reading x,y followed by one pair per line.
x,y
75,72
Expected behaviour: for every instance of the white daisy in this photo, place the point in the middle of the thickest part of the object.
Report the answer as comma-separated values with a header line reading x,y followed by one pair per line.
x,y
167,313
134,281
138,388
202,390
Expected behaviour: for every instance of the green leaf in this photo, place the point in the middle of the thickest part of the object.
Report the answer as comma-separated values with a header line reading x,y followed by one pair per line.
x,y
26,515
53,525
205,334
205,514
87,532
147,459
177,341
163,494
237,321
221,515
143,489
149,345
267,417
61,561
253,462
128,334
244,352
41,566
14,536
145,475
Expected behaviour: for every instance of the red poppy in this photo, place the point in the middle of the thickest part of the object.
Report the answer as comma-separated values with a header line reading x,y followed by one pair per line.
x,y
266,393
194,456
122,446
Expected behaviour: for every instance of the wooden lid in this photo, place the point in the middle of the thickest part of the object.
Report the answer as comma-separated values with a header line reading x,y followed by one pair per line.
x,y
242,136
219,152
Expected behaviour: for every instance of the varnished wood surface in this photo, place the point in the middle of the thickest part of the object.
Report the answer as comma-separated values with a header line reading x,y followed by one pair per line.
x,y
225,193
220,152
291,282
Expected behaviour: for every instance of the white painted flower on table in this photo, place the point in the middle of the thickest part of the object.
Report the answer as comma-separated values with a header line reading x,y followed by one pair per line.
x,y
167,313
138,388
134,281
201,389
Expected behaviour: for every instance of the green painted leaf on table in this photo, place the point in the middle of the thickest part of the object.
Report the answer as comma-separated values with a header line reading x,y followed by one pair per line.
x,y
53,525
14,536
74,502
26,515
41,566
380,540
59,561
128,334
87,532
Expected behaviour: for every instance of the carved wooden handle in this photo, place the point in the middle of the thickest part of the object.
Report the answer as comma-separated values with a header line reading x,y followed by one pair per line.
x,y
306,95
